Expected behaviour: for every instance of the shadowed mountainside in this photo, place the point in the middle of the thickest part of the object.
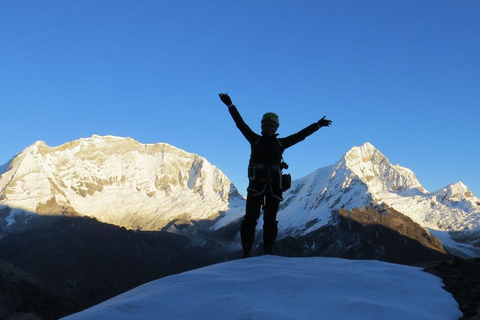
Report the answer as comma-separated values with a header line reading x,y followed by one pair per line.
x,y
367,233
92,261
95,261
22,293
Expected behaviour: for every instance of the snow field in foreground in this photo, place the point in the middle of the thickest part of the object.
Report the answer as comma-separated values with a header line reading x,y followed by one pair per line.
x,y
271,287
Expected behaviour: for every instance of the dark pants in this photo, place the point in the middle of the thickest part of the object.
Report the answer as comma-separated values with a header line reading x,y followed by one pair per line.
x,y
270,229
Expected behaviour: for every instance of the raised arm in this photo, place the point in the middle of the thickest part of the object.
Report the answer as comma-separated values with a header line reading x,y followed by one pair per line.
x,y
302,134
241,125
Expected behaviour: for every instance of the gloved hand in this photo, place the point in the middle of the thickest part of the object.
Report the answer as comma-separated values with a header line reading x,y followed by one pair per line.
x,y
225,99
324,122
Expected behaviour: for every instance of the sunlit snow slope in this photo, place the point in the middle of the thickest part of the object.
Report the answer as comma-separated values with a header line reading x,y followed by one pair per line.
x,y
365,177
148,186
118,181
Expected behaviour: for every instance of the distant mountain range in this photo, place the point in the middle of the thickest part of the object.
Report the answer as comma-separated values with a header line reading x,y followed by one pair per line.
x,y
92,218
365,177
155,187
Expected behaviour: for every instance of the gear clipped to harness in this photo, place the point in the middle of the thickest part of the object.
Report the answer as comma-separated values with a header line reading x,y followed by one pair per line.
x,y
286,177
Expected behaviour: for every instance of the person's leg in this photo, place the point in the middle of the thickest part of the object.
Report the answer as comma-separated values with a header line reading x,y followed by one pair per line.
x,y
270,228
249,222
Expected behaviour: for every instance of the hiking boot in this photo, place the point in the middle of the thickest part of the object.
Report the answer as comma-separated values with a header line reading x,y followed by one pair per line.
x,y
247,253
268,251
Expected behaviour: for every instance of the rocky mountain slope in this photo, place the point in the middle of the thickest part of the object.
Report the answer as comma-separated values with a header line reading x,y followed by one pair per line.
x,y
27,297
116,180
361,207
366,233
159,187
365,177
87,262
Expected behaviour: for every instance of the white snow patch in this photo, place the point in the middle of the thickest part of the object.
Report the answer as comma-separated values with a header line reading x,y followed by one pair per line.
x,y
272,287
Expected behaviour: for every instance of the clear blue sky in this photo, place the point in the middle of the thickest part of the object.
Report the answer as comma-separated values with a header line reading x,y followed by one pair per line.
x,y
402,75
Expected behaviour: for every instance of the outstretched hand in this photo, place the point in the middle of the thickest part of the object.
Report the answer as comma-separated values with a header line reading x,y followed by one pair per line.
x,y
324,122
225,99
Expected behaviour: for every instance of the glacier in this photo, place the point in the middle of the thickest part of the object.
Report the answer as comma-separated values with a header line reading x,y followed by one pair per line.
x,y
160,187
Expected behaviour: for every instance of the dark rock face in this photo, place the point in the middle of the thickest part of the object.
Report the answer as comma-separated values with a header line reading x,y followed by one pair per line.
x,y
94,261
71,263
462,280
395,221
366,233
25,295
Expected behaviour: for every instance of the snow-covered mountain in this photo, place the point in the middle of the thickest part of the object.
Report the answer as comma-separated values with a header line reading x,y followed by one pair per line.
x,y
118,181
365,177
159,187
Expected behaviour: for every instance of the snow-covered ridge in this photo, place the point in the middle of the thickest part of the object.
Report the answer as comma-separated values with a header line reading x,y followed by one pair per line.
x,y
117,180
4,168
271,287
373,168
365,177
148,186
455,192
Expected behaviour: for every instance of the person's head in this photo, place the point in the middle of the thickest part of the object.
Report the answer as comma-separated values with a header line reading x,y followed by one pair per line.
x,y
270,124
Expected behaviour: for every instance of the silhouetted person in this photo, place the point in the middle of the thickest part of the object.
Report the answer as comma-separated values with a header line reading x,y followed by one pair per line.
x,y
265,174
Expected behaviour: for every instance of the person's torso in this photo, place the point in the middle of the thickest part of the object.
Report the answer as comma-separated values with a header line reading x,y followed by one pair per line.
x,y
267,151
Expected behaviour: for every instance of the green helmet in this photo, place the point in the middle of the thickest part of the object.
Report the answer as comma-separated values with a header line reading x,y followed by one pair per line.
x,y
270,116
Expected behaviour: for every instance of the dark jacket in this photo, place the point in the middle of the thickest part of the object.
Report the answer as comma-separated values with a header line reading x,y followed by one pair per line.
x,y
267,152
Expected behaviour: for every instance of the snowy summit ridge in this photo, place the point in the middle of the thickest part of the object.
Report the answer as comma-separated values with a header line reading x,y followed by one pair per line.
x,y
373,168
455,192
160,187
362,177
365,177
116,180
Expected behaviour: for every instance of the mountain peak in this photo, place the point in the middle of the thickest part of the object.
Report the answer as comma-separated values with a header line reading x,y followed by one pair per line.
x,y
357,157
455,192
366,146
363,153
376,171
